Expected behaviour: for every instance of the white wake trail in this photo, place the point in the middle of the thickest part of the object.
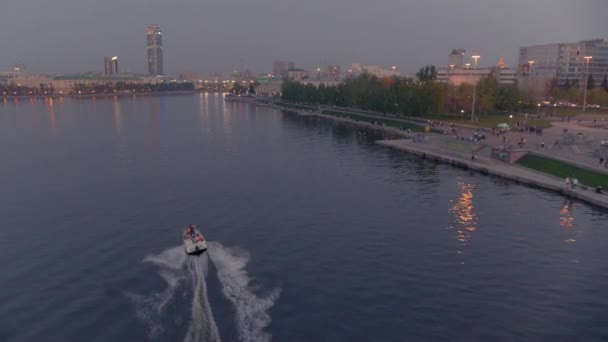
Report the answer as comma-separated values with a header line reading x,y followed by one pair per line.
x,y
251,311
150,309
202,326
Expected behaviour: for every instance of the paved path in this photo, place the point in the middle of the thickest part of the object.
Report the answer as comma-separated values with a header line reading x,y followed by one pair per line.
x,y
495,167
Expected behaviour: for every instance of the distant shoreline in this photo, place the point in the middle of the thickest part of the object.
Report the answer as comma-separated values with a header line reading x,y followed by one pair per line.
x,y
104,95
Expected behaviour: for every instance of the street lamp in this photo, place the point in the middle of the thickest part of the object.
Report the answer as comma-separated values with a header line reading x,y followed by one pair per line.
x,y
475,57
462,113
587,59
451,73
531,64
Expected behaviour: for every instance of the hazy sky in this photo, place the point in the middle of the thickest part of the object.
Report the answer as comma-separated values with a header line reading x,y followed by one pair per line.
x,y
212,35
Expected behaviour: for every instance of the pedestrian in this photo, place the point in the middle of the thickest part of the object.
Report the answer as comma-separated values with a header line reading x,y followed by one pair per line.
x,y
542,144
556,143
601,160
567,182
574,182
504,139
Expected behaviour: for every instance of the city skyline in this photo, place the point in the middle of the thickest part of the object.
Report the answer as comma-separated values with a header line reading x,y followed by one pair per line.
x,y
202,39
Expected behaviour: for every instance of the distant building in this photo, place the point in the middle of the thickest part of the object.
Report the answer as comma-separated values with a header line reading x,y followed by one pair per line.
x,y
280,68
563,62
297,74
456,58
378,71
458,76
333,71
355,70
154,48
110,65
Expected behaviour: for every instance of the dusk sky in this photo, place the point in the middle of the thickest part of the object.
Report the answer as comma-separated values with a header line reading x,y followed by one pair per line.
x,y
68,36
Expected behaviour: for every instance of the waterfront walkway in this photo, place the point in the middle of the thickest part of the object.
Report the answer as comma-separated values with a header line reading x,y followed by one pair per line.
x,y
485,164
578,153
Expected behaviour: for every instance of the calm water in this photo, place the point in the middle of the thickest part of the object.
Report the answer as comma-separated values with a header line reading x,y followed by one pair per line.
x,y
316,234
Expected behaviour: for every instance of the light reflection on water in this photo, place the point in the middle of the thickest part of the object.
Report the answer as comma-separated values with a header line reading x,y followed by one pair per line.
x,y
566,220
465,219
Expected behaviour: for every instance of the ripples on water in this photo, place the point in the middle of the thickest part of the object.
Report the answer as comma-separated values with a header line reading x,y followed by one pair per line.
x,y
344,240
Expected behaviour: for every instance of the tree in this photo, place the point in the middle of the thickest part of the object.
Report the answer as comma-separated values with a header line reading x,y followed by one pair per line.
x,y
487,89
508,98
590,82
605,83
427,73
237,88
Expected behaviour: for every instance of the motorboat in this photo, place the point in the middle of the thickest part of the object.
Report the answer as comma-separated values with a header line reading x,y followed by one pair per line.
x,y
194,242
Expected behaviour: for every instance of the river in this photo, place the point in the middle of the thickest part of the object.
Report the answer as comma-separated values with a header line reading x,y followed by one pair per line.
x,y
315,233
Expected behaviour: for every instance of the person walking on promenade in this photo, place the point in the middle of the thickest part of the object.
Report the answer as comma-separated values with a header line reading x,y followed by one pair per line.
x,y
601,161
567,182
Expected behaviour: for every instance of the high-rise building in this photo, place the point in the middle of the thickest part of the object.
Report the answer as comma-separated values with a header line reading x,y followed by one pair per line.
x,y
154,47
280,68
456,58
110,65
564,63
333,71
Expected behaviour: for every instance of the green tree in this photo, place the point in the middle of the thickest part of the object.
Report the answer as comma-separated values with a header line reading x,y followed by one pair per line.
x,y
590,82
427,73
237,88
487,89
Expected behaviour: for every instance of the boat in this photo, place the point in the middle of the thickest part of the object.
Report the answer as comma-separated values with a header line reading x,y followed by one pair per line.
x,y
194,242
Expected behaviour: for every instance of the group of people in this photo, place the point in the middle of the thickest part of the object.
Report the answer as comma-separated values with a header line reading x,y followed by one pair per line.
x,y
192,234
571,183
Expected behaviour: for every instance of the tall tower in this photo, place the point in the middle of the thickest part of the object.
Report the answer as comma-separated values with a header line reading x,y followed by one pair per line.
x,y
154,47
110,65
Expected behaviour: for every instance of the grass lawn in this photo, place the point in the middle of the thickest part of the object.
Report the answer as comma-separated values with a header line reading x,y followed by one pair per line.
x,y
572,111
563,170
491,121
294,106
388,122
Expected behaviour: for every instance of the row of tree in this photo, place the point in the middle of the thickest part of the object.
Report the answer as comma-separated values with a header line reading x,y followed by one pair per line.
x,y
571,92
421,97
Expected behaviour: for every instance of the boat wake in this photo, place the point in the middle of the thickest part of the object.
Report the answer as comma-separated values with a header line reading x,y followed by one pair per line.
x,y
251,310
202,325
151,309
175,267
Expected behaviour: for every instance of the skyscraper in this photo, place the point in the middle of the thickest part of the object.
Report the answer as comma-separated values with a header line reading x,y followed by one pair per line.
x,y
456,58
280,68
154,47
110,65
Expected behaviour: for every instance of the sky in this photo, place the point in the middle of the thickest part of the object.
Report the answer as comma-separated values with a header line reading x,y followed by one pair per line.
x,y
69,36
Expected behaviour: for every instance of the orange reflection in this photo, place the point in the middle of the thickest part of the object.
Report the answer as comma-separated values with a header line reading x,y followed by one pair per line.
x,y
464,217
117,116
52,114
566,220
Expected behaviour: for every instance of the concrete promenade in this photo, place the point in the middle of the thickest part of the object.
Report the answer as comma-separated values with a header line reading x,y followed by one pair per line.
x,y
505,170
431,149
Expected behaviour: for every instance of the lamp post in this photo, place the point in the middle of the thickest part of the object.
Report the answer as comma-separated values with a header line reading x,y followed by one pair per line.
x,y
475,57
531,65
462,114
587,59
529,75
